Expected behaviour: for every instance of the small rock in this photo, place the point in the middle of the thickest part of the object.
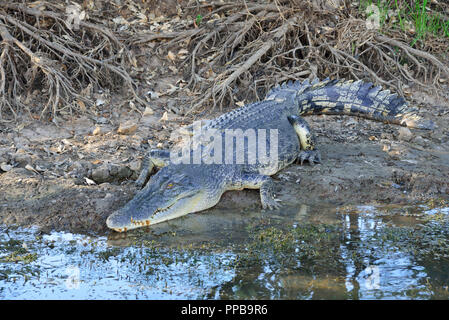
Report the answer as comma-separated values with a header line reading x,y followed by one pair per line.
x,y
124,173
135,167
113,169
421,141
101,174
22,159
405,134
109,172
127,127
80,168
105,203
5,167
5,158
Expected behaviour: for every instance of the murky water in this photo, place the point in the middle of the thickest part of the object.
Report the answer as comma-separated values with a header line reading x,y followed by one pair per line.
x,y
304,252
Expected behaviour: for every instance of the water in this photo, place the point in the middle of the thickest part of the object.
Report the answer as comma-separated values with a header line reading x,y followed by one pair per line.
x,y
360,252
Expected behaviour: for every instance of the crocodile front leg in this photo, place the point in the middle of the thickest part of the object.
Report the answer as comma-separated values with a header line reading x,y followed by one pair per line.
x,y
256,181
306,140
154,158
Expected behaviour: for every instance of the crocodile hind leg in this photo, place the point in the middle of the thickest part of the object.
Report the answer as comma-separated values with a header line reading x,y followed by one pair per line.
x,y
154,158
306,141
256,181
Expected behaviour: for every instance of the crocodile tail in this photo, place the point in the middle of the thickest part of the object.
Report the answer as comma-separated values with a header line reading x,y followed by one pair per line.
x,y
357,98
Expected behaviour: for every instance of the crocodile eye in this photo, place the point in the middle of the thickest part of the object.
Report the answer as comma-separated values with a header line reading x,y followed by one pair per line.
x,y
169,185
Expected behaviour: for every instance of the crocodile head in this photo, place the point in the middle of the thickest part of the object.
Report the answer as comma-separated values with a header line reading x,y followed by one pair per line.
x,y
172,192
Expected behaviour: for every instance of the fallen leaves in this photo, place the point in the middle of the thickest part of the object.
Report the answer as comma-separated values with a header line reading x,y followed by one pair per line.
x,y
148,111
89,181
97,131
164,117
127,127
171,56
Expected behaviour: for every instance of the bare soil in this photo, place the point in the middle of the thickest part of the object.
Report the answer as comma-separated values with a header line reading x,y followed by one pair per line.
x,y
70,172
44,166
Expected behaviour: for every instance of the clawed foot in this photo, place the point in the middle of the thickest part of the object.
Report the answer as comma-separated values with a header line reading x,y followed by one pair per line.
x,y
268,200
311,155
270,204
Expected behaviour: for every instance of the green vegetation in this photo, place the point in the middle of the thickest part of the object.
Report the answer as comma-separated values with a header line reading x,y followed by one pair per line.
x,y
306,246
198,19
16,252
16,257
415,17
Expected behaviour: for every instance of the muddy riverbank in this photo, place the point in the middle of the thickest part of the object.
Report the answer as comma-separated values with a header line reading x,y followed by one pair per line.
x,y
71,176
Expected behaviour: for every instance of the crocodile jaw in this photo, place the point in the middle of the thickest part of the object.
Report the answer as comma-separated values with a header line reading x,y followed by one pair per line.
x,y
132,217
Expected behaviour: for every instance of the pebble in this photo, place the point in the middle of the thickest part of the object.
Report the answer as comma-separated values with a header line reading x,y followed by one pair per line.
x,y
421,141
22,159
405,134
109,172
101,174
5,167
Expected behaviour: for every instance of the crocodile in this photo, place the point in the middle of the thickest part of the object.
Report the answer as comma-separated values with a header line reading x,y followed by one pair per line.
x,y
180,188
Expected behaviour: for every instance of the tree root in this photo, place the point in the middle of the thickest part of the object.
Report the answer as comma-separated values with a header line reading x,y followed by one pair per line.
x,y
236,53
44,57
257,45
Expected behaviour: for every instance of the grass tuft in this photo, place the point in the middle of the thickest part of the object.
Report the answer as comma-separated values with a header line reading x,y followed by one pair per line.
x,y
415,17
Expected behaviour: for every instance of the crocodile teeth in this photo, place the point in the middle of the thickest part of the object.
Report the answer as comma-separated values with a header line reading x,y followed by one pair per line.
x,y
140,223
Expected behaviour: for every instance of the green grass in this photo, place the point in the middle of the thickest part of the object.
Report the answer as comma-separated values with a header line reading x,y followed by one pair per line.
x,y
408,16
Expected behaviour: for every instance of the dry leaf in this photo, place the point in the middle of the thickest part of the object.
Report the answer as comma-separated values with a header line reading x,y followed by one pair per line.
x,y
171,56
127,127
148,111
35,4
89,181
39,169
240,103
173,69
97,131
120,20
30,168
82,105
164,117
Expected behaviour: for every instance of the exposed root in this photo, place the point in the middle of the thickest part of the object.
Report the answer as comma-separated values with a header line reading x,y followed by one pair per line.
x,y
237,51
256,45
47,62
